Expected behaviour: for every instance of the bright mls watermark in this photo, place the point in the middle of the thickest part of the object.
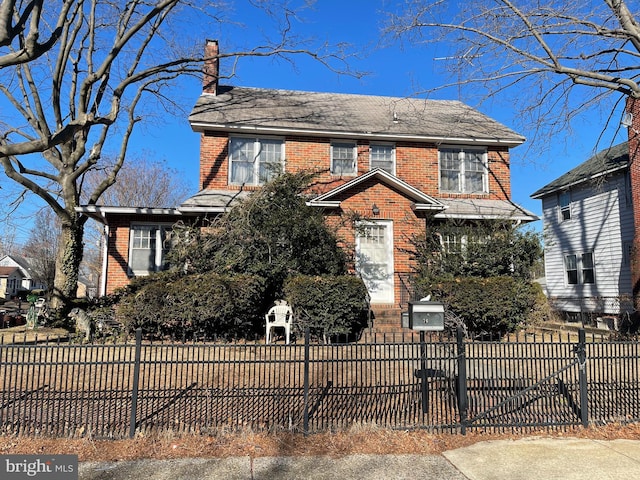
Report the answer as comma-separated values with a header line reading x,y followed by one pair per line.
x,y
50,467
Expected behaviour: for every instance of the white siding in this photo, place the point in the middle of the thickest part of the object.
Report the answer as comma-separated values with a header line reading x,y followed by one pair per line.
x,y
601,222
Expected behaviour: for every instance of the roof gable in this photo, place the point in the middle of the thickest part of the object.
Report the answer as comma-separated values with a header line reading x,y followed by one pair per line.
x,y
422,200
606,161
256,110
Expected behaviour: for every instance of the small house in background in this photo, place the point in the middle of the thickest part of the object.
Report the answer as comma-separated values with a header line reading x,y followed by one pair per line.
x,y
17,274
397,164
588,236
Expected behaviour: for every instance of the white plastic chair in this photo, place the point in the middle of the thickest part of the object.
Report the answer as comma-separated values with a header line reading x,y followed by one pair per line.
x,y
281,316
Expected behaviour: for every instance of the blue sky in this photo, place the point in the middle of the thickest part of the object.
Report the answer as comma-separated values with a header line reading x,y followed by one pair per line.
x,y
394,70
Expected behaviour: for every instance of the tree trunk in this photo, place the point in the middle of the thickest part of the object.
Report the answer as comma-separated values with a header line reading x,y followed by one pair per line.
x,y
68,261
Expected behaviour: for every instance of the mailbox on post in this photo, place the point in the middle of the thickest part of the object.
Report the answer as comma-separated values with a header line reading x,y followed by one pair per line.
x,y
426,316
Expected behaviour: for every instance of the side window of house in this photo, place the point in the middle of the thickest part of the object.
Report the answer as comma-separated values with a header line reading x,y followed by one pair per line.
x,y
343,158
254,161
148,246
564,202
384,157
580,269
463,170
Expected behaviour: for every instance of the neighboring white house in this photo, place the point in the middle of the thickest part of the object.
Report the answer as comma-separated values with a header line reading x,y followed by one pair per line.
x,y
588,234
16,274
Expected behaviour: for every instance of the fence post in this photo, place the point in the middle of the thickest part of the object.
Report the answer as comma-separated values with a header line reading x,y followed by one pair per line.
x,y
136,381
307,341
581,351
462,381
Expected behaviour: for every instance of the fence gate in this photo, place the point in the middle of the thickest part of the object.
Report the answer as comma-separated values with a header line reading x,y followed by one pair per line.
x,y
521,383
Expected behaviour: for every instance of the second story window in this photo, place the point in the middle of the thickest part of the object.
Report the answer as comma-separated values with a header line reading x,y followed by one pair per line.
x,y
564,200
254,161
463,170
384,157
343,158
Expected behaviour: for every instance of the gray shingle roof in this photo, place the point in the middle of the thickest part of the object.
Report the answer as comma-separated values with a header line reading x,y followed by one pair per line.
x,y
606,161
283,111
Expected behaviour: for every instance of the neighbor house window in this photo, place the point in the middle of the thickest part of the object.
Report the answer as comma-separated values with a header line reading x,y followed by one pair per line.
x,y
343,158
579,268
148,246
564,201
463,170
254,161
384,157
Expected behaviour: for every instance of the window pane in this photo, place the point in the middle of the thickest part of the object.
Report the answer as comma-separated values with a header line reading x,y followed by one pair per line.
x,y
382,157
143,249
343,158
588,274
565,205
242,160
270,159
570,263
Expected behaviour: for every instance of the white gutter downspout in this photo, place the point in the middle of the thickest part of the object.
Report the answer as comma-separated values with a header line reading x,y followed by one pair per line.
x,y
105,251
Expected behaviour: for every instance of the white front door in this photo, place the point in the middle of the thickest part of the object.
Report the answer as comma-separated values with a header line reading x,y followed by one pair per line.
x,y
374,259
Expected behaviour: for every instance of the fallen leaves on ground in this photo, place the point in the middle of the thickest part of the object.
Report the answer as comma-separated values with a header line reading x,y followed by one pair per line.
x,y
358,440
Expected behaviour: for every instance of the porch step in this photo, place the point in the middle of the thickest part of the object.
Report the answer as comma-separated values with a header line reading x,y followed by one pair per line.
x,y
387,326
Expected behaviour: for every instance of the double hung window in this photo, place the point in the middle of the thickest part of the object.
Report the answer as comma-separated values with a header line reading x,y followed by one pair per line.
x,y
579,269
343,158
254,161
148,246
383,156
564,200
463,170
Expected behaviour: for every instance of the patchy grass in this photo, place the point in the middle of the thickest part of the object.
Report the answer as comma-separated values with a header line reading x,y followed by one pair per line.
x,y
357,440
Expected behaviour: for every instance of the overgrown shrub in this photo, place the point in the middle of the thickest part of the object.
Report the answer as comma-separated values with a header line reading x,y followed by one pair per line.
x,y
328,305
208,304
489,306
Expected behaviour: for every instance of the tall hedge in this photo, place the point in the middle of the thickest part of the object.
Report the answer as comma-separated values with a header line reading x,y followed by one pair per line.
x,y
328,305
489,306
195,306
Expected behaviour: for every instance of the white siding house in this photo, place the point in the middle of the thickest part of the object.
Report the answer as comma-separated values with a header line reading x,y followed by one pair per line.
x,y
588,232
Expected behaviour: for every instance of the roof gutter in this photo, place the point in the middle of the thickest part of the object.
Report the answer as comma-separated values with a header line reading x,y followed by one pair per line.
x,y
201,127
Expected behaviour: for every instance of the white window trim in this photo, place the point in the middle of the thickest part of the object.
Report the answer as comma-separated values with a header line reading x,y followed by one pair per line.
x,y
355,158
579,267
461,183
562,209
393,152
256,164
158,259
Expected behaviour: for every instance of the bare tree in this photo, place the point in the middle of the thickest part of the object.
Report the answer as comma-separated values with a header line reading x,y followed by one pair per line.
x,y
110,58
160,186
42,245
548,50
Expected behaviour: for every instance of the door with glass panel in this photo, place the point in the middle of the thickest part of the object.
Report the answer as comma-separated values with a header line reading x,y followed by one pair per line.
x,y
374,259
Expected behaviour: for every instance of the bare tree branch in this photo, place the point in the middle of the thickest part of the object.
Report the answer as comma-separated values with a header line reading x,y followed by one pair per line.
x,y
555,48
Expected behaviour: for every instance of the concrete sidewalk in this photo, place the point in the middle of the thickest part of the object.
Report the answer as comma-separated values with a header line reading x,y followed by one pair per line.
x,y
527,459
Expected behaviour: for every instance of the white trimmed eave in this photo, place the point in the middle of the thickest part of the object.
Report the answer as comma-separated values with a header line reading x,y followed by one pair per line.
x,y
100,213
202,127
462,216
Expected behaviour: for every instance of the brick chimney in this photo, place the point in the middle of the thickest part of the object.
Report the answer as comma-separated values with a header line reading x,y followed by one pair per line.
x,y
633,131
211,67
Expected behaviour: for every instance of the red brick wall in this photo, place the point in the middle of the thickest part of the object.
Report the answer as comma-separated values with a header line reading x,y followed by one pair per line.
x,y
118,247
416,164
633,107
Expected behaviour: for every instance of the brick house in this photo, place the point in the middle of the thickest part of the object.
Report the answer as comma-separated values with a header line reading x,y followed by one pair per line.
x,y
395,162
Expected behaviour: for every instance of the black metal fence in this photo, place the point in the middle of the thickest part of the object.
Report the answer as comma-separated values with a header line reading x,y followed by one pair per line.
x,y
439,383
